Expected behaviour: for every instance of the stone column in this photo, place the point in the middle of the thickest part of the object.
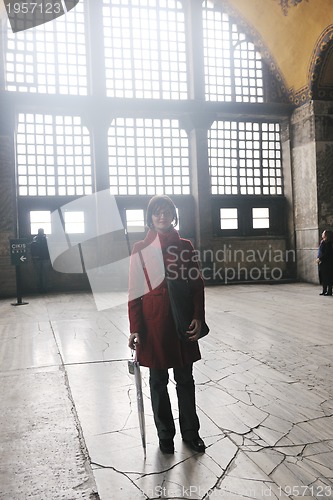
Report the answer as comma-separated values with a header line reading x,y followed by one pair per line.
x,y
8,211
197,124
312,176
201,188
324,161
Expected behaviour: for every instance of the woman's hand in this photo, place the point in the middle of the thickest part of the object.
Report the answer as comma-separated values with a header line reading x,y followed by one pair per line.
x,y
194,330
133,339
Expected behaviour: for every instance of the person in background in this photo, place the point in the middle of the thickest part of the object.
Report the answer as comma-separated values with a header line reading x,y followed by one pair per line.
x,y
41,258
153,333
325,262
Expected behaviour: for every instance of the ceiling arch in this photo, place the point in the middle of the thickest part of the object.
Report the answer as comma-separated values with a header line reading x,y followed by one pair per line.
x,y
291,41
321,71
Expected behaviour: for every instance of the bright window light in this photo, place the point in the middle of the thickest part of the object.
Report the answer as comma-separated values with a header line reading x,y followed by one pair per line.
x,y
245,158
145,49
34,56
233,68
229,218
147,157
260,218
74,222
135,221
40,219
53,155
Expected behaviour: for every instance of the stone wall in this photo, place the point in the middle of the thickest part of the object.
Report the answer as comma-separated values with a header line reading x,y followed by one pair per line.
x,y
230,260
312,174
7,213
304,177
324,146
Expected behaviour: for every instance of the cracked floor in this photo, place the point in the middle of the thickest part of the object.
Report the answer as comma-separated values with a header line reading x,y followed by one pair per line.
x,y
264,397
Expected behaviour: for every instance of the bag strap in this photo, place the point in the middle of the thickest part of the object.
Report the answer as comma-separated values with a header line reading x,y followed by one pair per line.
x,y
166,272
145,271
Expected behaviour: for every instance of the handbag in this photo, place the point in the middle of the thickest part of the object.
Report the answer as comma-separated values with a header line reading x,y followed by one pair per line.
x,y
181,303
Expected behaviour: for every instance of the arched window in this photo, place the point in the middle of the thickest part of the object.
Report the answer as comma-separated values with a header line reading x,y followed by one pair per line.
x,y
233,68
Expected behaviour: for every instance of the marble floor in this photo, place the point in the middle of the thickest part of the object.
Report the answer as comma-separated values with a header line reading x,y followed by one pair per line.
x,y
68,416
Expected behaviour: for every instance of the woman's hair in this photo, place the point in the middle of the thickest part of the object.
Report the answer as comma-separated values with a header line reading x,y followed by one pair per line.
x,y
158,202
328,234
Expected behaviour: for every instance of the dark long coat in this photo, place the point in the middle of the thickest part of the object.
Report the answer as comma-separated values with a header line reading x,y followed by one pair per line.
x,y
325,255
149,306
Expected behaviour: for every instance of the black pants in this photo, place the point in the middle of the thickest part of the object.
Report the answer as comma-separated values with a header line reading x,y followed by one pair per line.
x,y
188,419
42,270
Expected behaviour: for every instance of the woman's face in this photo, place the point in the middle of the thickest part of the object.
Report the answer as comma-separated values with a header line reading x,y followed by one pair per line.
x,y
162,219
324,235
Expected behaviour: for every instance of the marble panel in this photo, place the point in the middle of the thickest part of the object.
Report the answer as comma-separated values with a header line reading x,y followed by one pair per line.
x,y
264,399
27,345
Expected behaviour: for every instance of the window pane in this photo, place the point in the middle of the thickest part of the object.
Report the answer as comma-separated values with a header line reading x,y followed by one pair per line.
x,y
148,156
229,218
53,155
135,222
40,219
233,68
145,49
74,222
50,58
260,218
244,158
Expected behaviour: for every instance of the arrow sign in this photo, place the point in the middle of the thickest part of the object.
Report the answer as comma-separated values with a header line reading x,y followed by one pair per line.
x,y
18,251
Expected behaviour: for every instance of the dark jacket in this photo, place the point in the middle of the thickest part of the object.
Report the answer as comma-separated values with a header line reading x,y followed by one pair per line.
x,y
39,248
325,256
149,309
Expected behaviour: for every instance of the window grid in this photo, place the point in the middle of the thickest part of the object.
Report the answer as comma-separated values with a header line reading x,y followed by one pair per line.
x,y
233,68
40,219
228,218
245,158
49,59
147,157
260,218
74,222
145,49
146,53
53,156
135,220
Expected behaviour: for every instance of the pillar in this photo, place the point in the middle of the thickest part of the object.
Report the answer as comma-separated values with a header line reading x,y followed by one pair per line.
x,y
312,177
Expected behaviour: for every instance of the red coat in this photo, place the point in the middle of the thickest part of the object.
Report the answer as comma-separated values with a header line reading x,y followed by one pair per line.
x,y
149,307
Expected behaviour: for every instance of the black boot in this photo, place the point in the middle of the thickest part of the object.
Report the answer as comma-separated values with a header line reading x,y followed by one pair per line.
x,y
167,446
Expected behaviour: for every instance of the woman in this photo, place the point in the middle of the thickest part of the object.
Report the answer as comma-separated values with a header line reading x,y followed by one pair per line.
x,y
325,262
153,333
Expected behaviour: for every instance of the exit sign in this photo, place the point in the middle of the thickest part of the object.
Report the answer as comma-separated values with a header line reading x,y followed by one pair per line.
x,y
18,251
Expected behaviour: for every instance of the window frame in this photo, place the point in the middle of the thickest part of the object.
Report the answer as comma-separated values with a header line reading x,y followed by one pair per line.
x,y
46,155
234,40
41,34
277,206
97,113
242,158
147,157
